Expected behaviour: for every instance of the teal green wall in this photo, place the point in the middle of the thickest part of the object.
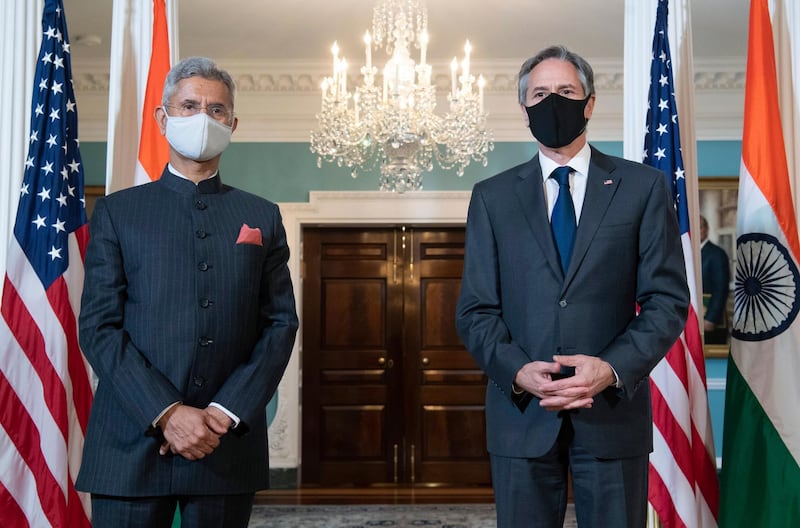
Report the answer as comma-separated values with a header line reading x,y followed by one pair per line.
x,y
286,172
93,155
716,371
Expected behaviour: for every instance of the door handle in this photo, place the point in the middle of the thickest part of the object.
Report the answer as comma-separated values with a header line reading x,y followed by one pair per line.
x,y
413,463
395,462
387,363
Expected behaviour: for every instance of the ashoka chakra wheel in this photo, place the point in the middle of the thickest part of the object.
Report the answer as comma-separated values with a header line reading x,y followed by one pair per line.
x,y
765,289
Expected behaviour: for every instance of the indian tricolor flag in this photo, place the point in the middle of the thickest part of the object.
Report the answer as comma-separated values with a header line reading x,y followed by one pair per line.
x,y
140,61
760,481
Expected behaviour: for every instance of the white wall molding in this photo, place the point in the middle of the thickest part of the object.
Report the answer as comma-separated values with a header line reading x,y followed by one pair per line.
x,y
299,77
277,100
716,384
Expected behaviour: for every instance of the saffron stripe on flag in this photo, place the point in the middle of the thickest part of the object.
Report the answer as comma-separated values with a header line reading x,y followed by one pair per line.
x,y
761,449
153,147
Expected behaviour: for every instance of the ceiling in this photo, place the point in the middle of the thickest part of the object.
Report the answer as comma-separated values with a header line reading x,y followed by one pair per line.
x,y
294,30
278,52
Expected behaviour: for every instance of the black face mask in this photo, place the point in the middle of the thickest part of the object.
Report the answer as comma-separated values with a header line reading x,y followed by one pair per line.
x,y
556,121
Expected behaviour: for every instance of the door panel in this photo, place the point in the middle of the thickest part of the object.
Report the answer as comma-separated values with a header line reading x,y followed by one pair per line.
x,y
389,393
447,424
362,328
349,339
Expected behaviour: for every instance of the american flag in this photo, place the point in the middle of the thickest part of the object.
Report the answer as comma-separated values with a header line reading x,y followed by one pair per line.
x,y
45,388
683,487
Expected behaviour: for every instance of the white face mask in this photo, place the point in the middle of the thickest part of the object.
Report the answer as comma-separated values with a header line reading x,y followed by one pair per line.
x,y
198,137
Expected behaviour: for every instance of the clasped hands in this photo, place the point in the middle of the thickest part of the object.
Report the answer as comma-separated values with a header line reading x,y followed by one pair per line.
x,y
592,376
191,432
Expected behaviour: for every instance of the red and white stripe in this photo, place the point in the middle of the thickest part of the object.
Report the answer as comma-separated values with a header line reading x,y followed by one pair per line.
x,y
46,394
683,475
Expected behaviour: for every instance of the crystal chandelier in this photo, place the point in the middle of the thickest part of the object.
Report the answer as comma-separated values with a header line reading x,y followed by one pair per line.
x,y
389,119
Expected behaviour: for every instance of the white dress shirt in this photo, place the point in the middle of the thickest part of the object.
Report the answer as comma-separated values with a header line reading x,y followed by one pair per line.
x,y
577,180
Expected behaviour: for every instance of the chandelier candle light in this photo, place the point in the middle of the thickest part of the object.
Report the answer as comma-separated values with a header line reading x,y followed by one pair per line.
x,y
393,124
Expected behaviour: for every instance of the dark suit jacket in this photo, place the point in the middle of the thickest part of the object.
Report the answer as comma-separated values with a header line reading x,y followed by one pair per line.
x,y
173,309
716,279
517,306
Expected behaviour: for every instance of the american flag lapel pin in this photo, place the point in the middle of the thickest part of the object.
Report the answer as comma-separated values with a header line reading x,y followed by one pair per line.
x,y
608,182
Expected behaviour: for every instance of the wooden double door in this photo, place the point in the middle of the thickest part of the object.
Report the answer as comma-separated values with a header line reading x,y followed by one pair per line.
x,y
390,395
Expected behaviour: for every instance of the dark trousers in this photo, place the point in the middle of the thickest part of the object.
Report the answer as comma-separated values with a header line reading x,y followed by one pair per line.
x,y
214,511
532,492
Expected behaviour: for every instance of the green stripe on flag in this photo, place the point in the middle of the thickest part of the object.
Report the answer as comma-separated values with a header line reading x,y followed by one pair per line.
x,y
760,480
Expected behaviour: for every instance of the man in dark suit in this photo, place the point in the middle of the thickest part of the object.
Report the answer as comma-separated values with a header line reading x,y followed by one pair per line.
x,y
556,328
716,280
188,319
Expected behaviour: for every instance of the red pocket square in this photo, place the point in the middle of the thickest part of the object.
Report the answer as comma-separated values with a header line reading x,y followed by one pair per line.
x,y
249,235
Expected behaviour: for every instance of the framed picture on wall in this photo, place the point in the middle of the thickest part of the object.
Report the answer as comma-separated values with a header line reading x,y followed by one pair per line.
x,y
717,204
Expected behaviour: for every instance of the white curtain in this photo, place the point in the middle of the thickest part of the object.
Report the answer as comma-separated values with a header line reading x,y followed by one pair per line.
x,y
20,37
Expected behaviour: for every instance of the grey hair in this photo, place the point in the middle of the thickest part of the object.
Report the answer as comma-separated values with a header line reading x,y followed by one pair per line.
x,y
195,66
585,72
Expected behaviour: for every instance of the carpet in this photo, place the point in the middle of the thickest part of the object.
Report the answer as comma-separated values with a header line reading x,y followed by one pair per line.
x,y
370,516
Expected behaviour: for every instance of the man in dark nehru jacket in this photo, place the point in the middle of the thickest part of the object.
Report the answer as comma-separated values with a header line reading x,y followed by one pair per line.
x,y
188,319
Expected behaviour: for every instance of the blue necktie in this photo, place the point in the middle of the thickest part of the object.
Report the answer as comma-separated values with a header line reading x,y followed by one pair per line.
x,y
562,221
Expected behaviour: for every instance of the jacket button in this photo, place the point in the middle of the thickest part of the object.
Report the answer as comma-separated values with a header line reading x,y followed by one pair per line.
x,y
562,303
205,303
205,341
200,204
201,233
199,381
202,266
